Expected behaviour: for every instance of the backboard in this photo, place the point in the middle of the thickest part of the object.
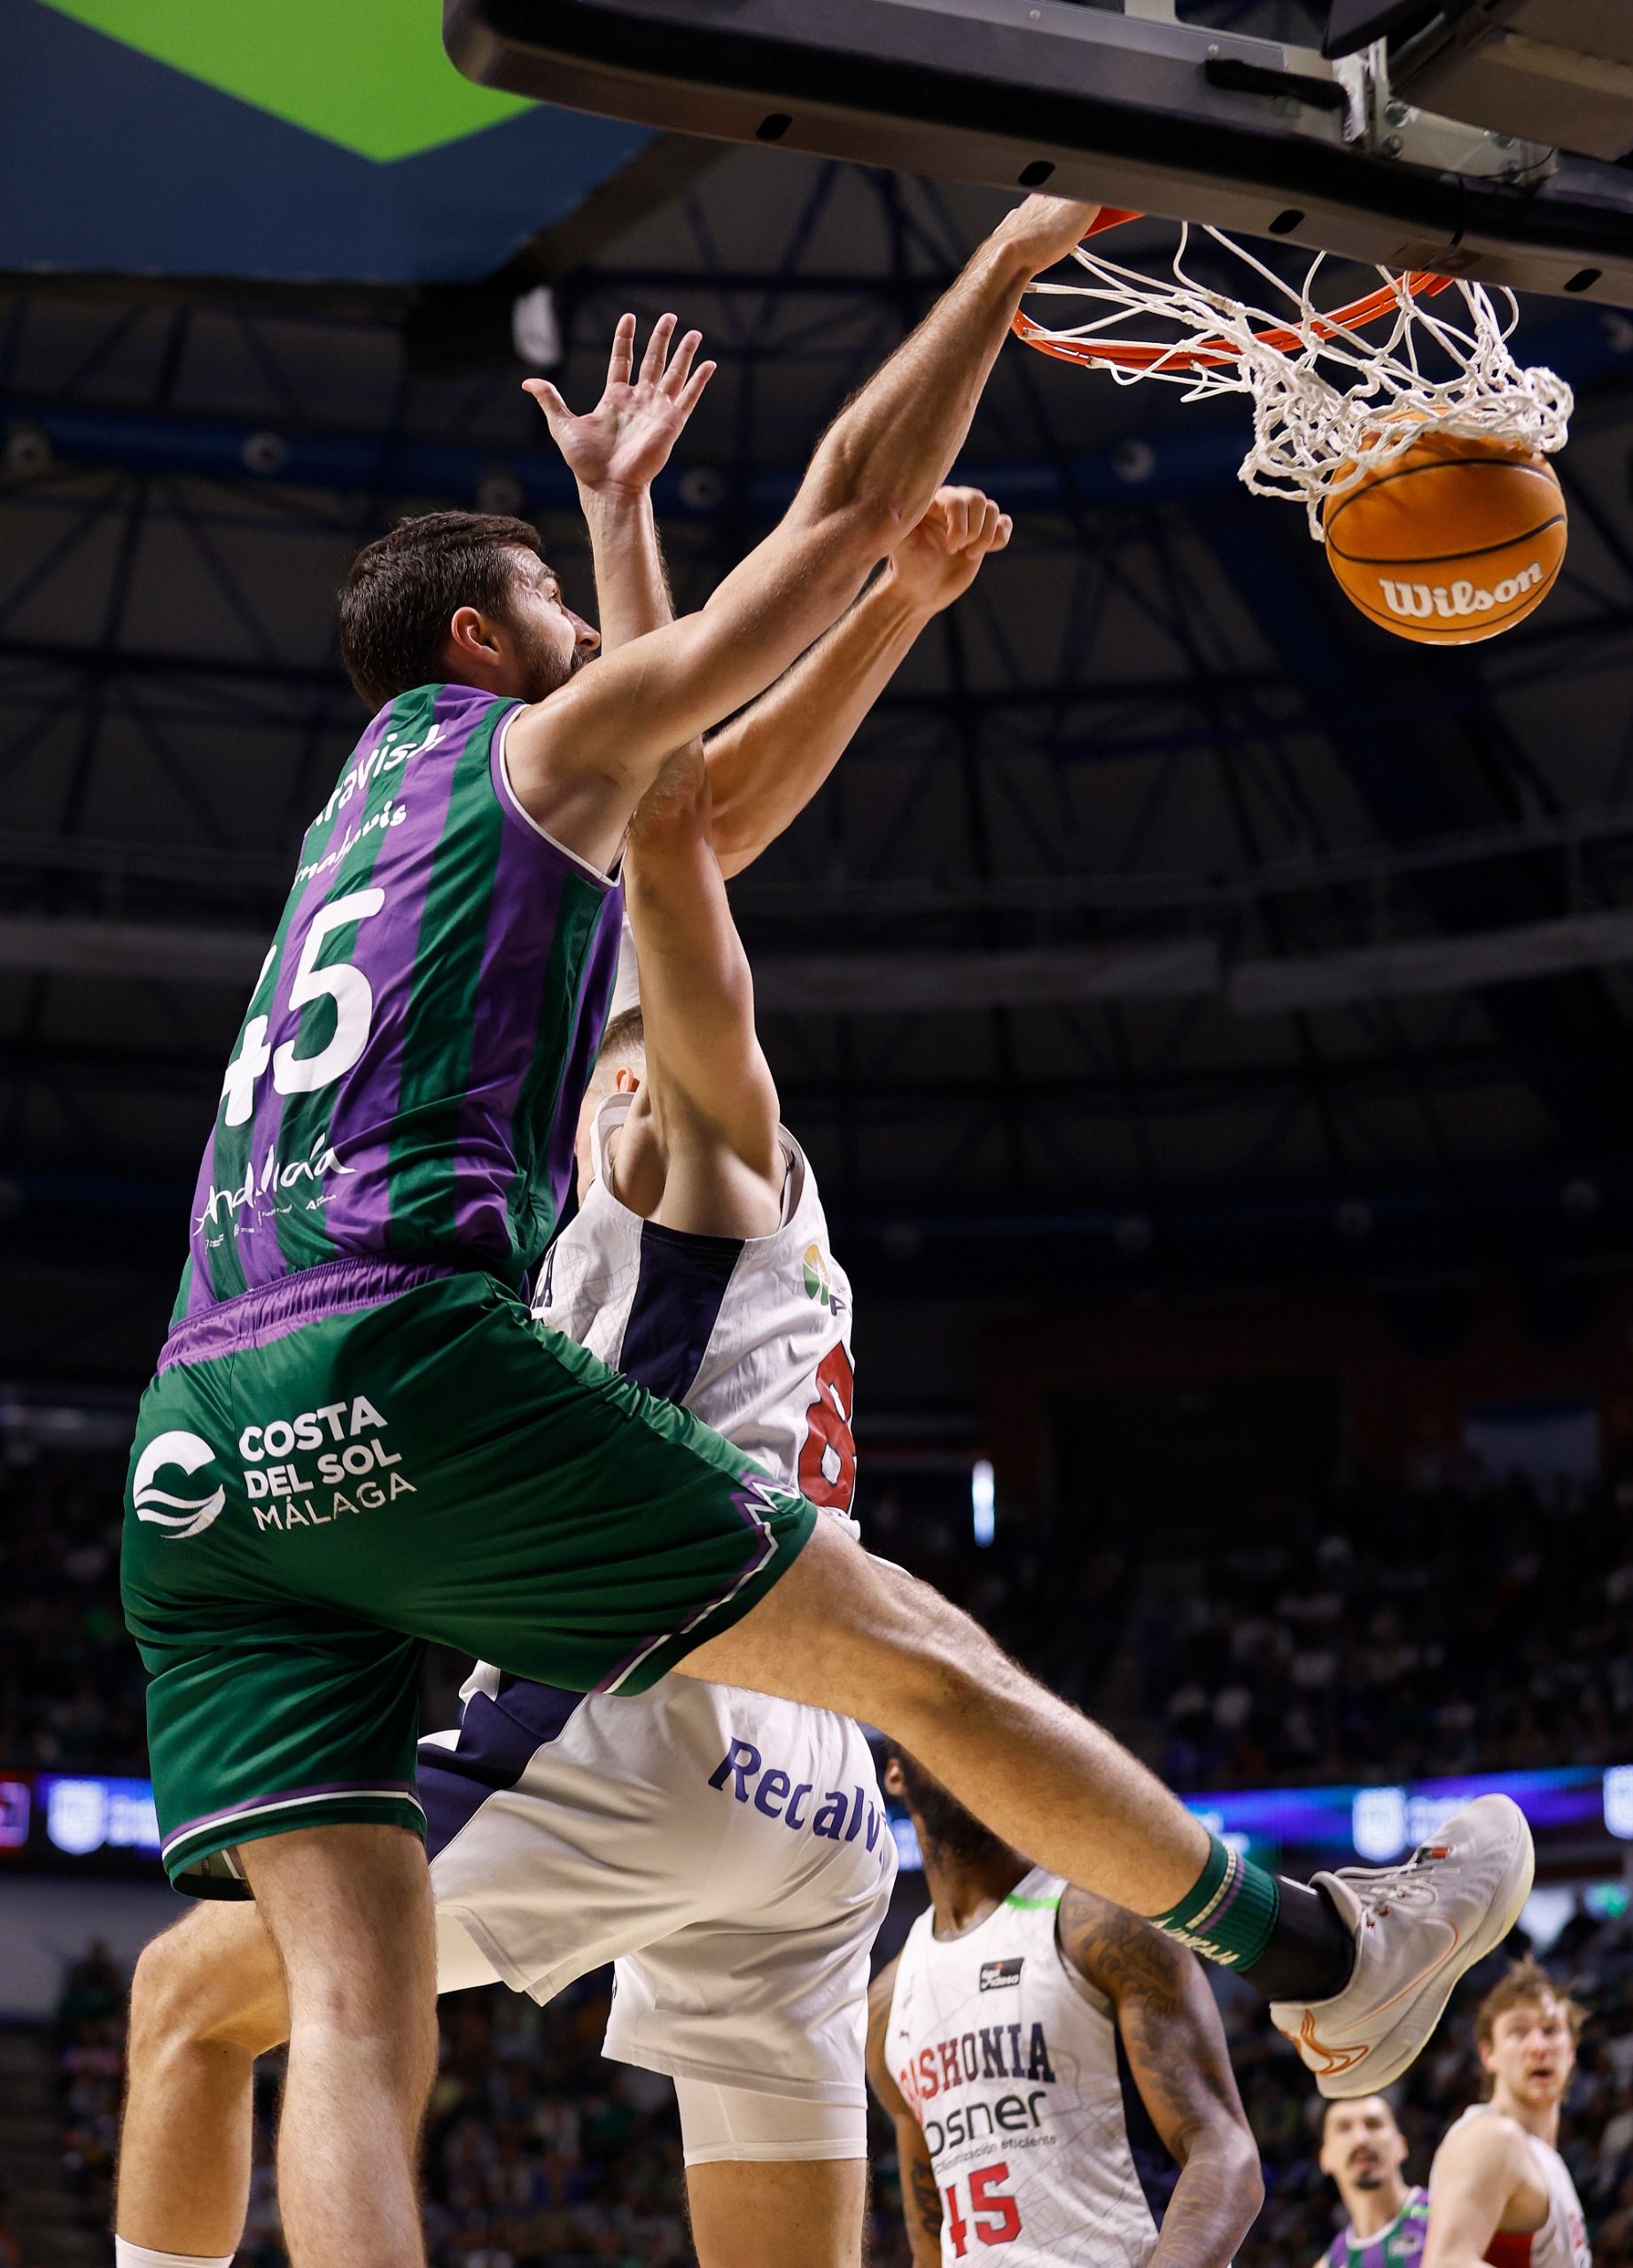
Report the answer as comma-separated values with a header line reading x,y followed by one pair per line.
x,y
1133,109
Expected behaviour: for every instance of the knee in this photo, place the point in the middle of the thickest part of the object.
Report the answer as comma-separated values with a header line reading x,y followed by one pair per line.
x,y
351,1909
189,1994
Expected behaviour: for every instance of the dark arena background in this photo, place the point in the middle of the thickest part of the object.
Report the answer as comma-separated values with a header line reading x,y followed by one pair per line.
x,y
1211,1019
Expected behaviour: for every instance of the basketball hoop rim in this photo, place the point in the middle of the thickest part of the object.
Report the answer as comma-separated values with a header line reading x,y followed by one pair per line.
x,y
1216,353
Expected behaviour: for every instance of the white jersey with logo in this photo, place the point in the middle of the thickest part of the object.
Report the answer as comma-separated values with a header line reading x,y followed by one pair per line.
x,y
1562,2240
751,1334
1038,2135
729,1853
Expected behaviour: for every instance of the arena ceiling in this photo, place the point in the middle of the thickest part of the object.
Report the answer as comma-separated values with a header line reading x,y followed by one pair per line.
x,y
1167,923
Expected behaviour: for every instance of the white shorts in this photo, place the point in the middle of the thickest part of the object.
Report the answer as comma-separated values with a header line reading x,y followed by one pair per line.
x,y
729,1852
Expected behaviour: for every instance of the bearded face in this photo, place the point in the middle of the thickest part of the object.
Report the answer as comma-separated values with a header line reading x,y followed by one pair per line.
x,y
942,1819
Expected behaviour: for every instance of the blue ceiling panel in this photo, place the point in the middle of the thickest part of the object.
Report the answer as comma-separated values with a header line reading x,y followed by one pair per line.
x,y
111,162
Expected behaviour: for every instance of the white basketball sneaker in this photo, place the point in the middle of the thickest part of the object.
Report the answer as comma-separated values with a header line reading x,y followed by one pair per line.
x,y
1417,1928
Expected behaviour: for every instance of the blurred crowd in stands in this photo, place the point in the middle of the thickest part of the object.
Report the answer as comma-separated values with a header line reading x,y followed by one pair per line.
x,y
72,1686
1371,1635
1423,1635
538,2155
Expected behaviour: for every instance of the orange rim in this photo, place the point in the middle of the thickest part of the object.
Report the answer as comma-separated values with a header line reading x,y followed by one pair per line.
x,y
1213,353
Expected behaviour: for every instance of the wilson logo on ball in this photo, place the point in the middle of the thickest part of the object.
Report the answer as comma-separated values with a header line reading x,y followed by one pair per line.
x,y
1455,540
1418,601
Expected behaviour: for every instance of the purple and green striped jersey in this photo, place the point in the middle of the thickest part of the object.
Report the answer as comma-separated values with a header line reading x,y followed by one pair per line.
x,y
1398,2244
408,1075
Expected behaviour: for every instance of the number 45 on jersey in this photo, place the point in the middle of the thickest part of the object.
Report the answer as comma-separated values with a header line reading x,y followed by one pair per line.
x,y
347,987
994,2218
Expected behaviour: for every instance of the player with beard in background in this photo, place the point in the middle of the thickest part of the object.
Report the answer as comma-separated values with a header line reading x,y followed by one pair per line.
x,y
1056,2070
1362,2152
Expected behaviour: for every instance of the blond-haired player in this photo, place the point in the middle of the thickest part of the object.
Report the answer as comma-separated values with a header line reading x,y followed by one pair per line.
x,y
1499,2191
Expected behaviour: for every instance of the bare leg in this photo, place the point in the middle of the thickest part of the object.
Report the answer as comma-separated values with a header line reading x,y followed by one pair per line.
x,y
789,2214
846,1632
349,1910
206,1999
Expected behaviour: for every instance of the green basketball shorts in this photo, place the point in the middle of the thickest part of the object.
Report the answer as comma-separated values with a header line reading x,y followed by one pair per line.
x,y
330,1472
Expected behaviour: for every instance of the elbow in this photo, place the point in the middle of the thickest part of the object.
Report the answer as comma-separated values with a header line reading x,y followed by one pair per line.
x,y
734,848
675,814
879,521
864,498
1248,2186
1227,2167
1252,2194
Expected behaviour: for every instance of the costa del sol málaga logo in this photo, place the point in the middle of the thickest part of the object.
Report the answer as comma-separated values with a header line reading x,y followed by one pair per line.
x,y
187,1515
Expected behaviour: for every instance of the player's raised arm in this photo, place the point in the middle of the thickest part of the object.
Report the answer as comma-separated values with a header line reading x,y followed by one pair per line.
x,y
580,760
767,763
1175,2043
708,1102
1475,2171
615,451
920,2200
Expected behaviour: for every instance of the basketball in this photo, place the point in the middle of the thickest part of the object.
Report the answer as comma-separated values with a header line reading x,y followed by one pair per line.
x,y
1453,542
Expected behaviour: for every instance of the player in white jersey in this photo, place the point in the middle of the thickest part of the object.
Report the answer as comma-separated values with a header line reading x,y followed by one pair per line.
x,y
727,1851
730,1853
753,1333
1499,2191
1056,2070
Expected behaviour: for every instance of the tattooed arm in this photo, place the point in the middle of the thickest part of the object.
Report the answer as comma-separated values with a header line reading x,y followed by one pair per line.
x,y
920,2200
1175,2043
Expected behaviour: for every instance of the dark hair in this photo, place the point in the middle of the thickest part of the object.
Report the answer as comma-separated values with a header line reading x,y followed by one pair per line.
x,y
403,589
1347,2102
953,1831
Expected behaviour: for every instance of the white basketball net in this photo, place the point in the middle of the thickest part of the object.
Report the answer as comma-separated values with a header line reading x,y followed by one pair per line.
x,y
1330,403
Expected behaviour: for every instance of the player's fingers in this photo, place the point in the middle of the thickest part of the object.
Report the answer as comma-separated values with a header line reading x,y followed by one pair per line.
x,y
691,393
991,519
952,504
966,504
657,347
623,351
545,395
680,361
1002,533
975,516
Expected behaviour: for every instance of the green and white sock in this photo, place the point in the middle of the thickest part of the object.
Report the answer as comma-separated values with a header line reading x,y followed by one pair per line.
x,y
1228,1914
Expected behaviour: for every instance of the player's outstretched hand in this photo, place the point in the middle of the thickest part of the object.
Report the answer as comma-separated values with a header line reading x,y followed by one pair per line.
x,y
941,558
1046,229
623,444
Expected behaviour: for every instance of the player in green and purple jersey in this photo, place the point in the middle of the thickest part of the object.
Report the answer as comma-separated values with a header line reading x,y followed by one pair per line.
x,y
1363,2153
356,1443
